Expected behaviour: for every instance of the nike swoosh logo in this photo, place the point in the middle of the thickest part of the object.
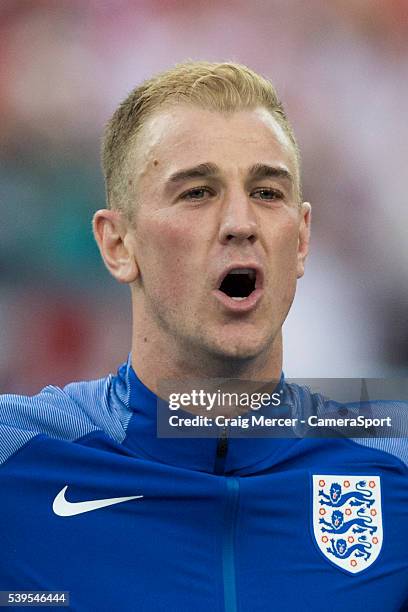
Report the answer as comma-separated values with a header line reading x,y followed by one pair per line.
x,y
63,507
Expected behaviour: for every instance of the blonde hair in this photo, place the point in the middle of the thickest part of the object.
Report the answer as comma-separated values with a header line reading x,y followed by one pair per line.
x,y
224,87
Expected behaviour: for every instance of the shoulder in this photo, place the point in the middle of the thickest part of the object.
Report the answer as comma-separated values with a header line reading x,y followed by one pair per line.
x,y
380,425
67,413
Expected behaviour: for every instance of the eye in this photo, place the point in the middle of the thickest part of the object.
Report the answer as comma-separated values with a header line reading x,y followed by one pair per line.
x,y
268,194
198,193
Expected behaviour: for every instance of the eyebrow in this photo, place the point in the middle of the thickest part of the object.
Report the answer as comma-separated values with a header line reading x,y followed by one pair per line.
x,y
257,171
200,171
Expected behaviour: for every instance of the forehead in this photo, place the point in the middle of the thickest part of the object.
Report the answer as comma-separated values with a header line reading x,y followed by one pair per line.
x,y
184,136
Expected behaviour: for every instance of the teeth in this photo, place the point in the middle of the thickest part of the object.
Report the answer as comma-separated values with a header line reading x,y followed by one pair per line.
x,y
239,298
249,271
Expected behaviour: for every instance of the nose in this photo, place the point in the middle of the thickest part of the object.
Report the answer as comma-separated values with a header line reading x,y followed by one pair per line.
x,y
238,222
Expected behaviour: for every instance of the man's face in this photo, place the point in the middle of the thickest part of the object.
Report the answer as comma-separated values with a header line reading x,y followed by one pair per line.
x,y
218,232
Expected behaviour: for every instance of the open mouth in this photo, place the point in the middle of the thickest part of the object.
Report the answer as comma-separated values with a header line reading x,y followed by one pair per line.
x,y
239,283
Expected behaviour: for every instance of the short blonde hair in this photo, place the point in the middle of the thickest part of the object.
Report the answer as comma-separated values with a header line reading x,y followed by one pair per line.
x,y
224,87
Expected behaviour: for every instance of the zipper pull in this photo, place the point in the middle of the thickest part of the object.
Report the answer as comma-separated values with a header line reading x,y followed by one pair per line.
x,y
221,452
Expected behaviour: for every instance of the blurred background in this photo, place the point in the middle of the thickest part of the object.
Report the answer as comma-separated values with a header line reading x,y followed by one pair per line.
x,y
341,68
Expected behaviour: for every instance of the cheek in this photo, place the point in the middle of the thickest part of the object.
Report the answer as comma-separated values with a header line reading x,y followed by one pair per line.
x,y
166,256
285,248
282,254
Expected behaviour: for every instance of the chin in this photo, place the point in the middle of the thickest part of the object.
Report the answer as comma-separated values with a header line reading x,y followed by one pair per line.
x,y
240,349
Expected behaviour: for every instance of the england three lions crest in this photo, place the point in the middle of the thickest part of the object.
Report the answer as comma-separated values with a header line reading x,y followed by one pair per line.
x,y
347,519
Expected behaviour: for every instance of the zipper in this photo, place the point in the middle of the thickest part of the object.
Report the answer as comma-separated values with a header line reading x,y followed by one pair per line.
x,y
229,523
221,453
228,544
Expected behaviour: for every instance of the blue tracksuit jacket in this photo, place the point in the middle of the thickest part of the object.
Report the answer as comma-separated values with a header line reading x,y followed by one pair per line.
x,y
194,525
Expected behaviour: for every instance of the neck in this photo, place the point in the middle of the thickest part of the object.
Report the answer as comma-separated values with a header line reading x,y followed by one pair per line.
x,y
155,359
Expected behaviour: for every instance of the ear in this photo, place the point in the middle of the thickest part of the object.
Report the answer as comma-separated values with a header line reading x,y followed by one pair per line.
x,y
304,237
115,241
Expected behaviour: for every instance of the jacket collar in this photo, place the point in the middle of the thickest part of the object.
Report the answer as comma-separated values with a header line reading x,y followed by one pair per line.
x,y
233,455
